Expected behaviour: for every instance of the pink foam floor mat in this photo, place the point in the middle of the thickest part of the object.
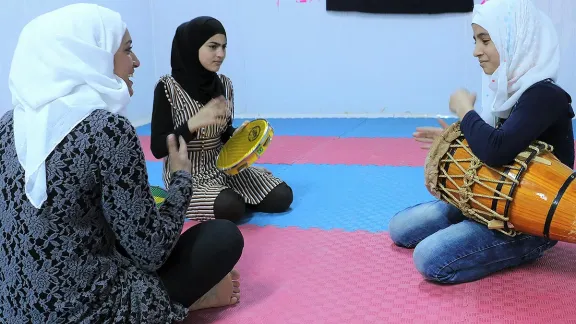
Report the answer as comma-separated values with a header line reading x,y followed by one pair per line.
x,y
378,151
299,276
364,151
145,143
334,150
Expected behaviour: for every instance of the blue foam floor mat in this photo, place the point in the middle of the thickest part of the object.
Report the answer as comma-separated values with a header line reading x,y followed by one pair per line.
x,y
342,197
155,173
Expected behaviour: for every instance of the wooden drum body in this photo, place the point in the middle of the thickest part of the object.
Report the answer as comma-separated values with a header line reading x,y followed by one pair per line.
x,y
245,147
533,195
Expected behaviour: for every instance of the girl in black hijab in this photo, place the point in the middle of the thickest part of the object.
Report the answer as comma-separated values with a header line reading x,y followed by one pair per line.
x,y
198,103
200,83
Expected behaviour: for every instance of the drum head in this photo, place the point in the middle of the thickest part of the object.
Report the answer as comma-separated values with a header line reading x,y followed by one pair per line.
x,y
242,144
439,148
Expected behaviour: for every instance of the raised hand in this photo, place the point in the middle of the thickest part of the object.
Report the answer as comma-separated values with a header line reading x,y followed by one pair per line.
x,y
178,154
215,112
427,135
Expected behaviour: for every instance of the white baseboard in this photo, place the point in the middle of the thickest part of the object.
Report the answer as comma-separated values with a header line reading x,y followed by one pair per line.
x,y
142,122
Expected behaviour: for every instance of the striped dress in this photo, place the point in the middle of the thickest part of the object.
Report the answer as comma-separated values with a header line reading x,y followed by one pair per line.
x,y
252,184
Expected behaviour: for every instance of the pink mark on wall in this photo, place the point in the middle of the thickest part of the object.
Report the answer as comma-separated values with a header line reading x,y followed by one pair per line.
x,y
297,1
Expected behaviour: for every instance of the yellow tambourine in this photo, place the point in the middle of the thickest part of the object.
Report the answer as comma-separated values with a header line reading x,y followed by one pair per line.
x,y
245,147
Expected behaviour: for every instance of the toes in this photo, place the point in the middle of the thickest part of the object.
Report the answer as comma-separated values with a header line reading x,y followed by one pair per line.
x,y
234,299
236,290
235,274
235,283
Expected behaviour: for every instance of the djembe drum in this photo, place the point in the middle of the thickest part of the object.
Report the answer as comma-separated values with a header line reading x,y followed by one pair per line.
x,y
245,147
535,194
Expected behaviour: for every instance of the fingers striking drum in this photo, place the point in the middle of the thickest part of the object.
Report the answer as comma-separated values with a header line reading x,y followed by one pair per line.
x,y
533,195
245,147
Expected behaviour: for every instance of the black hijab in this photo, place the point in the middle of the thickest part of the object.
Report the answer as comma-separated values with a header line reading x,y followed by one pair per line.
x,y
202,85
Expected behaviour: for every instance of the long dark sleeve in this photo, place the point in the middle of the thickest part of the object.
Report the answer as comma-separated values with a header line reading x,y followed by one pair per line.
x,y
537,110
146,233
162,124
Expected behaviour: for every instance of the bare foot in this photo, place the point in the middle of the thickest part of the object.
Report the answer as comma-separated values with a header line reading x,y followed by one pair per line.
x,y
225,293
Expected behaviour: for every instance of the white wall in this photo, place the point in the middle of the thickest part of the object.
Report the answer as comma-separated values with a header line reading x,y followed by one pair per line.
x,y
289,57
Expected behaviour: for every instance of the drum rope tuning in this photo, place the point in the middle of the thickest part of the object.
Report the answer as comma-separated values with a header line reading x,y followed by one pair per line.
x,y
534,194
470,177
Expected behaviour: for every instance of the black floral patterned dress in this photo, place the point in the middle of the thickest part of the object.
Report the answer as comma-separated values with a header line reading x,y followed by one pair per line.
x,y
61,264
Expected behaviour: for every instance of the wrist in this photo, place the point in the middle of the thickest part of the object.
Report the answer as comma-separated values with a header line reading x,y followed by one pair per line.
x,y
192,127
463,111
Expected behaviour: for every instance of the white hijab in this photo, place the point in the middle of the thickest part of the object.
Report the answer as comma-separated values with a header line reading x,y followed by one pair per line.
x,y
529,52
62,71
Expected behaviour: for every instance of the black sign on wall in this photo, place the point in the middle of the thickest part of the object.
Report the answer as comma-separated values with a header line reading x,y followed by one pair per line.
x,y
401,6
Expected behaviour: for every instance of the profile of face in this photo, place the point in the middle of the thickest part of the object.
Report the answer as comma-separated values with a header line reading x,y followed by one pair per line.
x,y
125,62
212,53
485,50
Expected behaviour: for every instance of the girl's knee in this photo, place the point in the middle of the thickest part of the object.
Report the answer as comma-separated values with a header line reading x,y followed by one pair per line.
x,y
283,196
278,200
431,262
403,227
228,234
399,230
229,205
411,225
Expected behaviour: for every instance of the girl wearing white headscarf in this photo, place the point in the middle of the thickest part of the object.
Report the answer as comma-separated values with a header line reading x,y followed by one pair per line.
x,y
81,239
517,48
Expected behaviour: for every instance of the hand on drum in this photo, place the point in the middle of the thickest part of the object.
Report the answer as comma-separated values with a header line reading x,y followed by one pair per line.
x,y
178,154
215,112
461,102
426,135
240,127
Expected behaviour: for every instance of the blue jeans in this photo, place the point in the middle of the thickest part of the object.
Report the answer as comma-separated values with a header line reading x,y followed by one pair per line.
x,y
450,248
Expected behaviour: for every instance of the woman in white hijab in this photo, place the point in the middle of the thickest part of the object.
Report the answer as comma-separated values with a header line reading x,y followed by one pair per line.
x,y
517,48
81,239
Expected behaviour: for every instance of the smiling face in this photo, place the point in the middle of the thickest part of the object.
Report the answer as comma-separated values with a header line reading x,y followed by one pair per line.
x,y
485,50
212,53
125,61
